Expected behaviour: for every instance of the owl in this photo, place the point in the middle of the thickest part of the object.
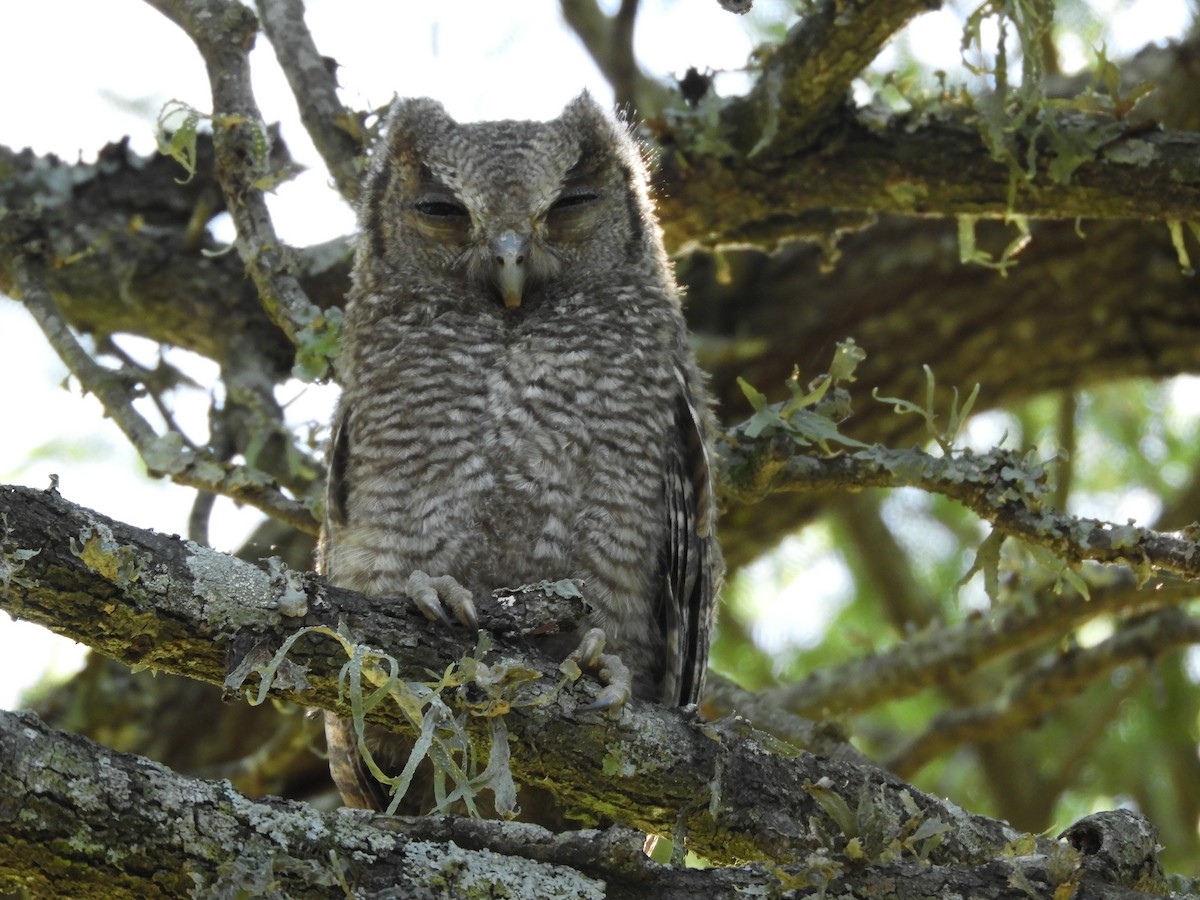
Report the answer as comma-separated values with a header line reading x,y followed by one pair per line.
x,y
520,401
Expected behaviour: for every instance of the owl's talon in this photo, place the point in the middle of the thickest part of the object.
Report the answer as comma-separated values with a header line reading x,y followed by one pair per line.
x,y
433,595
617,681
608,670
590,649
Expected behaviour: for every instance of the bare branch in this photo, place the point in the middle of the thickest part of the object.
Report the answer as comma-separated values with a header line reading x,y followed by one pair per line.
x,y
167,454
609,41
945,655
334,129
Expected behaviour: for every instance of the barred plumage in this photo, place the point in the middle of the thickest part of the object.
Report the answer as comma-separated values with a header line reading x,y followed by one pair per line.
x,y
520,401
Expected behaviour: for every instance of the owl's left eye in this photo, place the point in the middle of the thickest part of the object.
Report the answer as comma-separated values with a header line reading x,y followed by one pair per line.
x,y
573,198
440,209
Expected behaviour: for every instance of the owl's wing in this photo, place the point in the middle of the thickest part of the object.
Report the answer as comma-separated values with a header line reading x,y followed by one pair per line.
x,y
691,558
335,485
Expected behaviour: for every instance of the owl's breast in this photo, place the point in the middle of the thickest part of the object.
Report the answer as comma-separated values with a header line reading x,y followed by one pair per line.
x,y
502,458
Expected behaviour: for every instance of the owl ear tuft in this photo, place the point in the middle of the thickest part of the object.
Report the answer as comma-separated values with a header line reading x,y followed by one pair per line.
x,y
599,134
416,115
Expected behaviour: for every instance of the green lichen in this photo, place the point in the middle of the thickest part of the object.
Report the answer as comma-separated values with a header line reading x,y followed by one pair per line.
x,y
224,584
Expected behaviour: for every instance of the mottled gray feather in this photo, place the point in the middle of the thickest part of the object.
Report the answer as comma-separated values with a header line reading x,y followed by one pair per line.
x,y
564,438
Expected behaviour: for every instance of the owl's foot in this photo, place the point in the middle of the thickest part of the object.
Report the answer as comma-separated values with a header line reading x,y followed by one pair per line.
x,y
434,595
608,669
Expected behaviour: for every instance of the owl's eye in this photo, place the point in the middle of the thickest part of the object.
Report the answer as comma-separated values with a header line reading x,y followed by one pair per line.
x,y
574,198
440,209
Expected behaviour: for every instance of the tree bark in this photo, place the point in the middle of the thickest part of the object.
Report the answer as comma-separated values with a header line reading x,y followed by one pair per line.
x,y
158,601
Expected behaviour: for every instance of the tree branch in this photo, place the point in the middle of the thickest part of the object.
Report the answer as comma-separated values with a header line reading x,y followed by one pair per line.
x,y
998,486
609,42
136,829
808,75
224,33
942,656
1048,685
156,601
162,602
938,167
335,130
167,454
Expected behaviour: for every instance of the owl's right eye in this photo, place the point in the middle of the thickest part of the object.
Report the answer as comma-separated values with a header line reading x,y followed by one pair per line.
x,y
441,209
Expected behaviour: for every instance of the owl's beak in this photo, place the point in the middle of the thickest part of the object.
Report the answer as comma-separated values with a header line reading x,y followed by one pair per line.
x,y
509,253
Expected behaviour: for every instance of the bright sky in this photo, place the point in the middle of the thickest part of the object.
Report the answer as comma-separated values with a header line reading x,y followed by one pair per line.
x,y
80,73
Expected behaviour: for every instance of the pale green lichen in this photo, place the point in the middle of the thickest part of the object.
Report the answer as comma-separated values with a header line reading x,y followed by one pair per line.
x,y
100,551
12,562
226,586
484,873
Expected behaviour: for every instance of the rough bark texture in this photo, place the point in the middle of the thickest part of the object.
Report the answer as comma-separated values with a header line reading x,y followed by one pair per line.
x,y
159,601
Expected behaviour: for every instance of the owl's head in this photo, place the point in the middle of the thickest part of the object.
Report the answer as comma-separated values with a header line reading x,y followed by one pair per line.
x,y
516,208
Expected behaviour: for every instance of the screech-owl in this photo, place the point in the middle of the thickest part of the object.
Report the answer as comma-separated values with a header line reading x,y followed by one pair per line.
x,y
520,401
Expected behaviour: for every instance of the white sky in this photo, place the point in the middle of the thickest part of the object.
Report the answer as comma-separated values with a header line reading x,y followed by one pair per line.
x,y
80,73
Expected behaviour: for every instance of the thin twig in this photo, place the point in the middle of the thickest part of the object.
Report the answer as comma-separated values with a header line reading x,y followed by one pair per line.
x,y
332,127
166,454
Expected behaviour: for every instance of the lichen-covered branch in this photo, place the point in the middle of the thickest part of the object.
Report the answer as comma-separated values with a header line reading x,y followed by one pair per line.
x,y
1000,486
938,167
224,33
157,601
136,829
162,602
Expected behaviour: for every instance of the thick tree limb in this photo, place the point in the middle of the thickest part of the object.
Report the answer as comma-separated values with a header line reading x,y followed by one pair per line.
x,y
939,167
161,602
136,829
155,601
